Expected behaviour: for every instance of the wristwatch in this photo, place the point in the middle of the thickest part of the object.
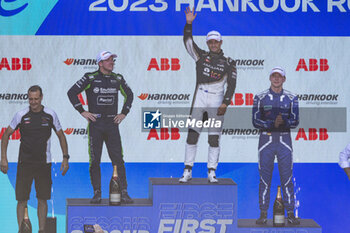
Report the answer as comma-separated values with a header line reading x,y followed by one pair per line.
x,y
66,156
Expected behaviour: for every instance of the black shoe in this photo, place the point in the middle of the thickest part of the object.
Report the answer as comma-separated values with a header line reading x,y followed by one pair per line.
x,y
262,219
96,198
292,219
126,199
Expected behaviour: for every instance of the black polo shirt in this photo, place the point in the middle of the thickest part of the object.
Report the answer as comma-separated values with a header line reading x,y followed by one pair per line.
x,y
35,129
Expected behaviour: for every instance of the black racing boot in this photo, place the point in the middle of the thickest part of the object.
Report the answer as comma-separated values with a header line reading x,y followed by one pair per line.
x,y
262,219
292,219
126,199
96,199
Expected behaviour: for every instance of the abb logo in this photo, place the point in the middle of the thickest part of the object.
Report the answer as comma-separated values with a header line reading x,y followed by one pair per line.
x,y
16,63
82,100
15,136
321,135
242,99
313,65
164,64
164,134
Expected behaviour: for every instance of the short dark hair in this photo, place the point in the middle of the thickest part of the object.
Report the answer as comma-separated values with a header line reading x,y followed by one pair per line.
x,y
35,88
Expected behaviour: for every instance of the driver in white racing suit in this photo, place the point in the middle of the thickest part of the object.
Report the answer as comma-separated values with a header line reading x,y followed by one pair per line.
x,y
213,71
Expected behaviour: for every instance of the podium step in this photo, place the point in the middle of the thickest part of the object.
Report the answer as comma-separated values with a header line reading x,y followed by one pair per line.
x,y
105,202
306,226
194,181
304,223
172,207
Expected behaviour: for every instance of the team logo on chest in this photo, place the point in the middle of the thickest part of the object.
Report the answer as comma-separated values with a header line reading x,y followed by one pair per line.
x,y
27,120
267,107
206,71
45,121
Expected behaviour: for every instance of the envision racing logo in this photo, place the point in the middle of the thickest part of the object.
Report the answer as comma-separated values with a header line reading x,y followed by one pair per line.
x,y
4,4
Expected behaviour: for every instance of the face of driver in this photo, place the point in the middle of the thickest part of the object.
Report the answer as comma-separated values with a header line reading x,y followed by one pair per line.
x,y
107,66
277,80
214,45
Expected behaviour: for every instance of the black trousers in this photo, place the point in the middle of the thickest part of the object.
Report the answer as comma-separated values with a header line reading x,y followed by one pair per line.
x,y
105,130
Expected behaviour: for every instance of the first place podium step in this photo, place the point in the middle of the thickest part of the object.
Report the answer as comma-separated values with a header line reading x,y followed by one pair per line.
x,y
172,207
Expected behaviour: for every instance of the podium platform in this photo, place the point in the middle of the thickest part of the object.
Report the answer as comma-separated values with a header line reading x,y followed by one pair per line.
x,y
306,226
173,207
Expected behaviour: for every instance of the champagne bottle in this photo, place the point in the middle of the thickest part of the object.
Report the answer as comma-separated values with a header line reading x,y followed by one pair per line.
x,y
278,210
26,226
114,188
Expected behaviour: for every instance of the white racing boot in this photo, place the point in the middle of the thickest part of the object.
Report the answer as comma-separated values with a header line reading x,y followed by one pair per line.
x,y
187,176
212,176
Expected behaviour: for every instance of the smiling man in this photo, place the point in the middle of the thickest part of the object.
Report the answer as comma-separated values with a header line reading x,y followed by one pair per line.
x,y
34,161
213,71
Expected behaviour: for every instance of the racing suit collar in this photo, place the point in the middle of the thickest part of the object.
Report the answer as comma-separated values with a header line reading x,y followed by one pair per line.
x,y
219,54
104,75
275,93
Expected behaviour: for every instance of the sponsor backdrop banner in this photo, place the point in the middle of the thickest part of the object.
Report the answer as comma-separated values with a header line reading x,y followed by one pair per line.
x,y
53,43
163,78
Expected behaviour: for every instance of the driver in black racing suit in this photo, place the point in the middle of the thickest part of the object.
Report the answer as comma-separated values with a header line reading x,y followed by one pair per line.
x,y
101,89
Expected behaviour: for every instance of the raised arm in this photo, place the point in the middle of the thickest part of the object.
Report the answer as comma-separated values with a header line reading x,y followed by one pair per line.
x,y
190,45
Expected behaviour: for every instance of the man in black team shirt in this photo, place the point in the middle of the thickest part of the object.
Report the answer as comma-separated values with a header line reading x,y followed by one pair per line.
x,y
102,87
213,71
34,161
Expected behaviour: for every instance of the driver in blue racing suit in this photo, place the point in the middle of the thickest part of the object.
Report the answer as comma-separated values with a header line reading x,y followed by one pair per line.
x,y
275,112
